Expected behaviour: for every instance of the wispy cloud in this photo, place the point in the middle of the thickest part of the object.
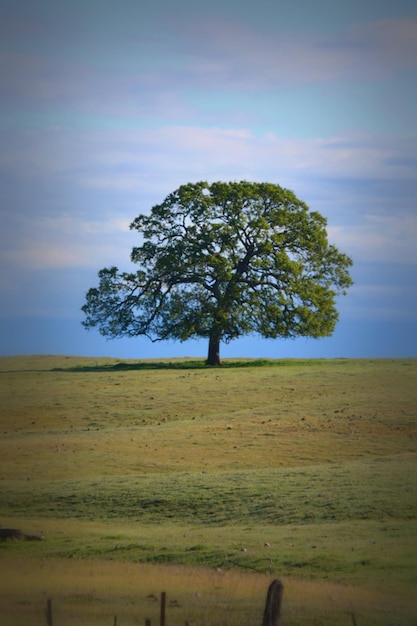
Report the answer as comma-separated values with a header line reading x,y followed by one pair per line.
x,y
64,241
103,116
207,55
238,56
380,238
122,160
365,184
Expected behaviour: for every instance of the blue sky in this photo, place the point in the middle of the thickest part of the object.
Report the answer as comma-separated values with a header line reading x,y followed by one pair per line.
x,y
106,107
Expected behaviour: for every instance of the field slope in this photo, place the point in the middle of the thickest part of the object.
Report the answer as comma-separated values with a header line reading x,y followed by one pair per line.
x,y
305,470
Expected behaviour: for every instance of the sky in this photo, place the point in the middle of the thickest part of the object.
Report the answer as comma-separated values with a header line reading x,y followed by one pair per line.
x,y
106,107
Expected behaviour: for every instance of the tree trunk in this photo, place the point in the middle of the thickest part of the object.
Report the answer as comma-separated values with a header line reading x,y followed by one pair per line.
x,y
213,357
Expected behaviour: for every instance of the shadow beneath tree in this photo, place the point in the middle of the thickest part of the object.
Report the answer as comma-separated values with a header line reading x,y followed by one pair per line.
x,y
180,365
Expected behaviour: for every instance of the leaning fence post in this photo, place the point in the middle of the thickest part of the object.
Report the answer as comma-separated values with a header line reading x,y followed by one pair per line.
x,y
48,612
163,600
273,603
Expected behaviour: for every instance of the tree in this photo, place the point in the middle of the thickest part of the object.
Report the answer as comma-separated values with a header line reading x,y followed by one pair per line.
x,y
221,261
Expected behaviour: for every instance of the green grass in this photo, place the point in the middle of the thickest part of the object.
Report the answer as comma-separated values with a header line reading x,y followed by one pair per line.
x,y
300,469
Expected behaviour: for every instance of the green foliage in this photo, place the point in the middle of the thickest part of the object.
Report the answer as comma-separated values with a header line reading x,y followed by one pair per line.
x,y
221,261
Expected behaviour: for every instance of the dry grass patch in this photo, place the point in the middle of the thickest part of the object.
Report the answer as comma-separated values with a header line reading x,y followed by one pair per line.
x,y
89,592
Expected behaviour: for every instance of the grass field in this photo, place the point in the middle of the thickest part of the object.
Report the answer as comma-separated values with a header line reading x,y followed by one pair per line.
x,y
209,482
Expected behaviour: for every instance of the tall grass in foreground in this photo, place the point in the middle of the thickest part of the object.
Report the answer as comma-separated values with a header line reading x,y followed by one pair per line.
x,y
89,592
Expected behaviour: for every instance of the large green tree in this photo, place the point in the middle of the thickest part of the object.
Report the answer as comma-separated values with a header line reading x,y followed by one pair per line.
x,y
221,261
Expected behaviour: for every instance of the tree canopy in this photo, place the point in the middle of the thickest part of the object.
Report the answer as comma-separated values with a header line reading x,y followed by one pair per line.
x,y
220,261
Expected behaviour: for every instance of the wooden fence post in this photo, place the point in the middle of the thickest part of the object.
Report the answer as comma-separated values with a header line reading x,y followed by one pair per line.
x,y
48,612
273,603
163,601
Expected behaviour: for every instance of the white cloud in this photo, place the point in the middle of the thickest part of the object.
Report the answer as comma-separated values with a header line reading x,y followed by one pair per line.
x,y
65,241
87,187
379,238
155,161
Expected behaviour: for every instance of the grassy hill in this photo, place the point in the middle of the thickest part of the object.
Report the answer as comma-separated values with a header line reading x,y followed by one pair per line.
x,y
303,470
